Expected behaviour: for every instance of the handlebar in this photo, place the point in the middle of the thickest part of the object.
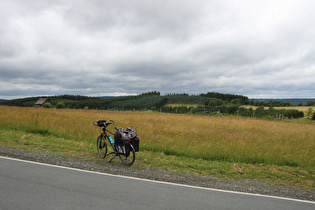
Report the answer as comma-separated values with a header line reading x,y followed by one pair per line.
x,y
102,123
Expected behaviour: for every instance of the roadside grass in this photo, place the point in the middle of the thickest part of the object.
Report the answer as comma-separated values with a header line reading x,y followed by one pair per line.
x,y
279,152
43,143
283,175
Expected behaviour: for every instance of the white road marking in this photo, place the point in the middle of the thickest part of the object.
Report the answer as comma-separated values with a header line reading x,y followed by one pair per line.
x,y
155,181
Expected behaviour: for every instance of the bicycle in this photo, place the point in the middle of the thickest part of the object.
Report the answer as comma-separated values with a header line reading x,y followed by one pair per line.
x,y
125,152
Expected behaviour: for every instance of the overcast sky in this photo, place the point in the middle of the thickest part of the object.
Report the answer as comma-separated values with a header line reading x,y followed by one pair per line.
x,y
260,49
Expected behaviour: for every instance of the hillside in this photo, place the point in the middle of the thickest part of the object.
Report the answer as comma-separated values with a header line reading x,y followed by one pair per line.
x,y
30,101
140,102
210,103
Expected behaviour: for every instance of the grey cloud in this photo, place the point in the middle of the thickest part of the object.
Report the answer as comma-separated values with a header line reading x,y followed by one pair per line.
x,y
105,47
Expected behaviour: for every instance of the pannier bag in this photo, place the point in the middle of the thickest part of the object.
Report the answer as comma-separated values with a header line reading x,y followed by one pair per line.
x,y
118,139
129,133
135,143
123,149
126,136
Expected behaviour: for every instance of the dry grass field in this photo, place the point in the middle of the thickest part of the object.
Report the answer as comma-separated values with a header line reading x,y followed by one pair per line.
x,y
304,109
240,140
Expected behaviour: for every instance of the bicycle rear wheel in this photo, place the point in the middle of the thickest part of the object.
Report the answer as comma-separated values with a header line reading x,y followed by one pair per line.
x,y
129,158
101,146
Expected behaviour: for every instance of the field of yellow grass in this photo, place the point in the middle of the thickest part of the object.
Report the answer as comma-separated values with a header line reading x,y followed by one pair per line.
x,y
304,109
242,140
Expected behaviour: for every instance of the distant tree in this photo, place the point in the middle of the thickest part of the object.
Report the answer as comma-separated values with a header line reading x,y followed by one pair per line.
x,y
310,103
153,93
260,103
70,106
86,108
47,105
60,105
310,113
236,101
161,103
260,109
214,102
226,97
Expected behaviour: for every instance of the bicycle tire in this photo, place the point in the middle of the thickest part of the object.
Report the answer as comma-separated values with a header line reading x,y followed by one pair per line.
x,y
128,159
101,146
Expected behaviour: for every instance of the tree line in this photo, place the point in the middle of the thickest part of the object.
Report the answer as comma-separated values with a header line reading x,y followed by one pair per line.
x,y
227,97
209,103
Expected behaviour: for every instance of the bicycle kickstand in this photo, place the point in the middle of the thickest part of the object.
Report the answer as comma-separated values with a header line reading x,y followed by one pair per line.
x,y
113,157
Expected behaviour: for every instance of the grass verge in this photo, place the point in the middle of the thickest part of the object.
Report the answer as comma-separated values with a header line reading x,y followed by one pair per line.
x,y
45,142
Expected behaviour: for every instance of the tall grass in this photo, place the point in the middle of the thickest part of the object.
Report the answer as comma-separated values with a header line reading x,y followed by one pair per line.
x,y
241,140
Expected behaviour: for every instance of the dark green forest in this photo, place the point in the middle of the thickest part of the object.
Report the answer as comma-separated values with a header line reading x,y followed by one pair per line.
x,y
210,103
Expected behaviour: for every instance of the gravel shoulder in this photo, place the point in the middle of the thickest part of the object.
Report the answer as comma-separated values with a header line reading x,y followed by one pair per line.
x,y
84,162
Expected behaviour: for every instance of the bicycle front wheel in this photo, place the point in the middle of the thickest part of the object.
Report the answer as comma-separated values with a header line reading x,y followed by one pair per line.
x,y
129,158
101,146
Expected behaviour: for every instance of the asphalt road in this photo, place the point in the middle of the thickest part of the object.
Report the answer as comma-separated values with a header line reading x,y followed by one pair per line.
x,y
31,185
